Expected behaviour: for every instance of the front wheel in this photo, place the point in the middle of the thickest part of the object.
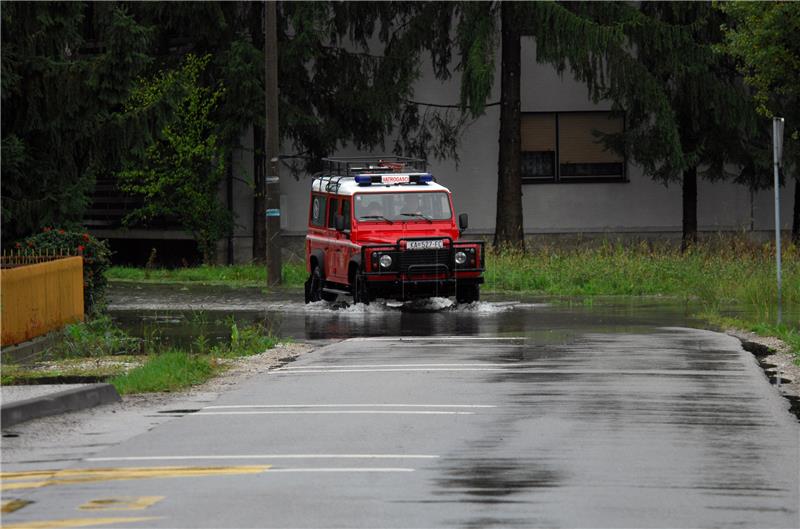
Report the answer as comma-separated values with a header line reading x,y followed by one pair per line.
x,y
313,286
360,290
468,293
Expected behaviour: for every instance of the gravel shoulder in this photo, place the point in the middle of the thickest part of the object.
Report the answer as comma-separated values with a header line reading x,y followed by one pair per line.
x,y
773,355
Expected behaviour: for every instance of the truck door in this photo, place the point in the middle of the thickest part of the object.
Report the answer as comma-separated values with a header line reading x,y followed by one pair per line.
x,y
334,249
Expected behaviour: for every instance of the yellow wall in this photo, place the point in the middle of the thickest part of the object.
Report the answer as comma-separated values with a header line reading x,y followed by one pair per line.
x,y
39,298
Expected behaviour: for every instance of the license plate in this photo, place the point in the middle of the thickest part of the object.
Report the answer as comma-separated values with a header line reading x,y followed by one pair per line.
x,y
424,245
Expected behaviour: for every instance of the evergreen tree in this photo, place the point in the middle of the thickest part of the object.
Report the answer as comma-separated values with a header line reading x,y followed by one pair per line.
x,y
66,69
687,114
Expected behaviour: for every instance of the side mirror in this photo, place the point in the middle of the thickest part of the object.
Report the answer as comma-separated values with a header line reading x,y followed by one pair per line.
x,y
339,222
463,221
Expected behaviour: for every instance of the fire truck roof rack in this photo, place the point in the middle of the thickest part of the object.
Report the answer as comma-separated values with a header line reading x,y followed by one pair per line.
x,y
342,166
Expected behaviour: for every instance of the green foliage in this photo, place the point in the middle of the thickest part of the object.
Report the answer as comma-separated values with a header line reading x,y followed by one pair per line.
x,y
246,341
171,370
180,172
763,38
96,337
96,259
61,102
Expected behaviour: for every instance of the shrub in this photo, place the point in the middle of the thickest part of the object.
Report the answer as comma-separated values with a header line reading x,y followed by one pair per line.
x,y
96,259
96,337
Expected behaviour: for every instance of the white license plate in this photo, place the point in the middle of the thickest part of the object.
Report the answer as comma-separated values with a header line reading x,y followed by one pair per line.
x,y
424,245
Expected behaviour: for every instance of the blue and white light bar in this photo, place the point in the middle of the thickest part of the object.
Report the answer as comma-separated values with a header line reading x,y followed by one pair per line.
x,y
393,179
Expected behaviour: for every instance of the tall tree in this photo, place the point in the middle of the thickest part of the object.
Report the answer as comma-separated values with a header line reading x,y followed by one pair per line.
x,y
687,114
66,70
763,37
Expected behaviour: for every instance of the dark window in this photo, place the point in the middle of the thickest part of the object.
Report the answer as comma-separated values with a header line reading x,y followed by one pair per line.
x,y
537,166
332,213
346,213
317,210
566,147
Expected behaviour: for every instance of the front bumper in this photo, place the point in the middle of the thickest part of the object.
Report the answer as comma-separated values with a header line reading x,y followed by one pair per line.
x,y
422,273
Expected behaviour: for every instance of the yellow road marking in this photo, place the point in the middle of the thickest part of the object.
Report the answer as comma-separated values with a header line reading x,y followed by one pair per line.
x,y
14,505
126,503
36,479
75,522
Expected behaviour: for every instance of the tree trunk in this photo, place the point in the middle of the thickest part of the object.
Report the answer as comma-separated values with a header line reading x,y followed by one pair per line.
x,y
259,167
259,198
689,208
508,230
796,214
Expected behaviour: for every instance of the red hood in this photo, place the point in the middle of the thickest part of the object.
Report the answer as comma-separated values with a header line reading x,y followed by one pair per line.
x,y
390,234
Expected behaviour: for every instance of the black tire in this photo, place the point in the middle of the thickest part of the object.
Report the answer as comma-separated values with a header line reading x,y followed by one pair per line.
x,y
329,296
359,288
313,286
468,293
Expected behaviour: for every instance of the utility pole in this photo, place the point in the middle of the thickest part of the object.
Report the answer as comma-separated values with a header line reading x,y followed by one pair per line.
x,y
272,145
777,154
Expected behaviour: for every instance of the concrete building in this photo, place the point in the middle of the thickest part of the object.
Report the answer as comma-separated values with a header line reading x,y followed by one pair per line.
x,y
572,189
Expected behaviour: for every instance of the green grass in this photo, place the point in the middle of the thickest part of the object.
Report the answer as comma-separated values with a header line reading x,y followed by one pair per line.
x,y
293,274
99,367
97,349
171,370
742,273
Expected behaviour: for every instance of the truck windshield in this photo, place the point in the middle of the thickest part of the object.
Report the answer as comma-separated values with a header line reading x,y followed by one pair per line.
x,y
382,207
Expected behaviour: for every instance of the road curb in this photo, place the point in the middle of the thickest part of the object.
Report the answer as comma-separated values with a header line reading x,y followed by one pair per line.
x,y
62,402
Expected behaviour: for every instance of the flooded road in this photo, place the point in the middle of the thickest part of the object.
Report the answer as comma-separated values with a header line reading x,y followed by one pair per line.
x,y
178,311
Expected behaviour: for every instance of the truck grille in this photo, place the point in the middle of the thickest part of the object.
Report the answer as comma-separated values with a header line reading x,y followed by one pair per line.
x,y
425,261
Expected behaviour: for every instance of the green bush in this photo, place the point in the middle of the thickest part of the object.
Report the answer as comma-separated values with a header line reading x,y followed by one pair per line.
x,y
96,337
96,259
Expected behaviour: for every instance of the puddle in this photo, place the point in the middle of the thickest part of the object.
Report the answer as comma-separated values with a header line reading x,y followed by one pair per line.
x,y
181,316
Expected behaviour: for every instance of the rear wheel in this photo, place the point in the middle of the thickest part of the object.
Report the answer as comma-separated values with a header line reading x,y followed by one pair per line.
x,y
313,286
468,293
359,287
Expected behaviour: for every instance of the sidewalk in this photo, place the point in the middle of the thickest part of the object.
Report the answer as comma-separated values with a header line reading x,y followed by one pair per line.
x,y
23,403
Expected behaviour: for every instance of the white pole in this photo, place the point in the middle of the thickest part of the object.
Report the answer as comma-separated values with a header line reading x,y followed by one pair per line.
x,y
777,144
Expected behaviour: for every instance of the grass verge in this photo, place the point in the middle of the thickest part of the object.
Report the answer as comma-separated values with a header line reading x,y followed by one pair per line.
x,y
293,274
171,370
98,351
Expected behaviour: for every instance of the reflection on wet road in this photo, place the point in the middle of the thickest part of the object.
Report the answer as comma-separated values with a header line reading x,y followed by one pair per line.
x,y
507,413
174,311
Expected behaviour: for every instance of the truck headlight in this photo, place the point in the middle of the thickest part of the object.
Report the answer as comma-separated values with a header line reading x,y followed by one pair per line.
x,y
386,261
461,258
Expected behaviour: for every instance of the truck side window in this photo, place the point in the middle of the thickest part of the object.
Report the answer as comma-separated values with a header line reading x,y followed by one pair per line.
x,y
346,213
332,203
317,210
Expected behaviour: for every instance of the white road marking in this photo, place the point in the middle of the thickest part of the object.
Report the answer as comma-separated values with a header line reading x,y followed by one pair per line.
x,y
332,412
265,456
340,470
370,366
391,370
233,406
528,370
433,338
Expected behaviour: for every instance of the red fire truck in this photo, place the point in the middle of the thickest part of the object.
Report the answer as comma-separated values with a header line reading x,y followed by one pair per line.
x,y
383,228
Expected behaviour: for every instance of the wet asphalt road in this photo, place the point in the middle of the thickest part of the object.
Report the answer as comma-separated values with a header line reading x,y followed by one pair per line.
x,y
639,427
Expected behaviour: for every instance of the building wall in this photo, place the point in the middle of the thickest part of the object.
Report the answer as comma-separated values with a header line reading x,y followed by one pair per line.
x,y
640,207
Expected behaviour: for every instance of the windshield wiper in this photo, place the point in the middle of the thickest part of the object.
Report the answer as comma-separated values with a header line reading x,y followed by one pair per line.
x,y
375,217
430,221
